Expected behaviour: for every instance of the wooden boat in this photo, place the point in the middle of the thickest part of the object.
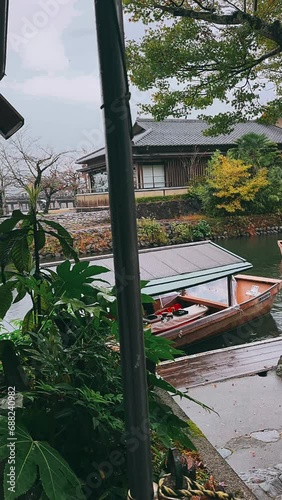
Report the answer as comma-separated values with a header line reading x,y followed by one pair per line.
x,y
252,297
279,243
201,280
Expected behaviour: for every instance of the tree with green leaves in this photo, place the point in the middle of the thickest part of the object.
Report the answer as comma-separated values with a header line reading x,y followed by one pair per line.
x,y
196,52
257,150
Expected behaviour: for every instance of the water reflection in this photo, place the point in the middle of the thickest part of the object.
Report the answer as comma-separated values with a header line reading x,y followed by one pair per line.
x,y
259,329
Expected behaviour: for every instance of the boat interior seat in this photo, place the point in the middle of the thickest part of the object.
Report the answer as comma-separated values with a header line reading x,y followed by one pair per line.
x,y
205,302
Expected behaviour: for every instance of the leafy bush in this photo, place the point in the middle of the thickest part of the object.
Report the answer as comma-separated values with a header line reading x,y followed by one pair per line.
x,y
232,184
257,150
152,199
151,232
201,230
181,233
269,199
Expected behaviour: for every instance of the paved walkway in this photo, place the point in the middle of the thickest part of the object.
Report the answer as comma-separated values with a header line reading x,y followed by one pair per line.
x,y
248,428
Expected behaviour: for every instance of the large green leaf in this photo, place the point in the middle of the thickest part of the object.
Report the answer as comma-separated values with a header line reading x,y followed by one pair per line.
x,y
56,476
60,230
63,269
81,266
80,269
21,292
4,450
20,255
37,458
76,280
9,224
6,297
40,238
17,214
147,299
28,322
25,466
66,246
7,243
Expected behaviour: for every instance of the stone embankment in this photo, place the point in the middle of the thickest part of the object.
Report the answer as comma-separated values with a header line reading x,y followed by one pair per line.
x,y
73,221
92,231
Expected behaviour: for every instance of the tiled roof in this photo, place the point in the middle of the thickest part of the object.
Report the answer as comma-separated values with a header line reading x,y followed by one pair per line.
x,y
177,132
91,156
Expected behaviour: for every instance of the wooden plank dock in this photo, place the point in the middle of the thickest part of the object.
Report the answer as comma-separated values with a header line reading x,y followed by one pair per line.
x,y
222,364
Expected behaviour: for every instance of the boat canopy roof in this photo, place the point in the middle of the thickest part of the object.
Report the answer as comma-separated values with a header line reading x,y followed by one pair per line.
x,y
180,266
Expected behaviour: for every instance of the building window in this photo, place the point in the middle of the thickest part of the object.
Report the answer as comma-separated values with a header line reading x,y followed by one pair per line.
x,y
153,176
99,182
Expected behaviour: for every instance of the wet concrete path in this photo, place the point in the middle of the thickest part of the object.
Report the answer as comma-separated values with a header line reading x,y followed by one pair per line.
x,y
248,429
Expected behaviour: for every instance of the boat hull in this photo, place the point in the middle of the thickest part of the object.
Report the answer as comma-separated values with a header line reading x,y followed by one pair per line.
x,y
228,318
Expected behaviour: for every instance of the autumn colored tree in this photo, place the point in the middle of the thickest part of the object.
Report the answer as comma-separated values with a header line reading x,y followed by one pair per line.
x,y
231,183
197,51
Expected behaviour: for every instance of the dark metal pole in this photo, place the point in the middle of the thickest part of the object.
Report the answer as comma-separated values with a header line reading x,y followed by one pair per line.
x,y
125,249
4,5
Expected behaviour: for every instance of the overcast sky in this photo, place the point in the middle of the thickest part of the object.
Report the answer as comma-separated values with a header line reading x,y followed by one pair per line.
x,y
52,74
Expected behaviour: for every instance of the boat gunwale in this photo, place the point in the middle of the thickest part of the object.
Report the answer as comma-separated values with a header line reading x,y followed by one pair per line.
x,y
227,312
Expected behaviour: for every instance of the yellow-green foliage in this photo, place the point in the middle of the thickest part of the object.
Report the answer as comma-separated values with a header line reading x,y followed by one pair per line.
x,y
232,182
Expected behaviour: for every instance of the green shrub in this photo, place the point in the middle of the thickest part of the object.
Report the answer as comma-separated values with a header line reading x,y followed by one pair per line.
x,y
151,232
181,233
201,231
155,199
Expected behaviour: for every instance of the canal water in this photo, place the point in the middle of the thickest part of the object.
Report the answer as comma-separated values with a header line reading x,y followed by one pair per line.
x,y
263,253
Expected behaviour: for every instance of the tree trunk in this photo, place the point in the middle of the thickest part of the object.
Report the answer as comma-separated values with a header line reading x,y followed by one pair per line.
x,y
48,203
2,208
74,197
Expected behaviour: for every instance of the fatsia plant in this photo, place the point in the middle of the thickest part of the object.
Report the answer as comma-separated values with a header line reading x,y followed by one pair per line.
x,y
58,480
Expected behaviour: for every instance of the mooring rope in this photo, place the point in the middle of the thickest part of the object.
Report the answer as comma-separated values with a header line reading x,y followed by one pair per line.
x,y
194,488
